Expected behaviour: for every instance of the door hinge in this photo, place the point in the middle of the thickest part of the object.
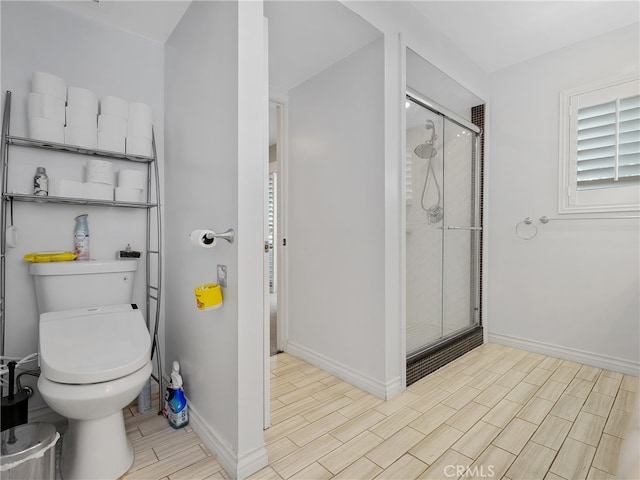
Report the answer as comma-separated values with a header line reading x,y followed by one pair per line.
x,y
284,242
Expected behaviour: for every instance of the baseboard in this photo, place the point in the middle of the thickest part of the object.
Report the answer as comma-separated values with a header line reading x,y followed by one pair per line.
x,y
250,462
358,379
236,467
394,387
573,354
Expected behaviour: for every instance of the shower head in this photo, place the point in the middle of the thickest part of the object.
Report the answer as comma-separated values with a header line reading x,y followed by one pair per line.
x,y
426,149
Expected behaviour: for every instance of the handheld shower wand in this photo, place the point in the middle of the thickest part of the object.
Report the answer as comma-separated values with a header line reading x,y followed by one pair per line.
x,y
427,151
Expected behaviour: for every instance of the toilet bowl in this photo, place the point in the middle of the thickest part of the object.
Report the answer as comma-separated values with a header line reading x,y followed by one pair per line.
x,y
94,362
94,359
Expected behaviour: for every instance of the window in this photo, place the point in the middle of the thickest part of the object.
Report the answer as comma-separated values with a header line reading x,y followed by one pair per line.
x,y
600,148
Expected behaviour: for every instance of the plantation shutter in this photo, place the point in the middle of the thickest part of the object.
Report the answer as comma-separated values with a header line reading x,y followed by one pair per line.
x,y
608,147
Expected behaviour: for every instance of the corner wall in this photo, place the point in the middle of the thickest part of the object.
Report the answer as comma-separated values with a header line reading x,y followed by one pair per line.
x,y
572,291
336,219
214,172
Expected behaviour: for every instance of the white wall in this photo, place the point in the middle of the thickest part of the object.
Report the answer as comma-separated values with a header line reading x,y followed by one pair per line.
x,y
573,289
214,172
37,36
336,226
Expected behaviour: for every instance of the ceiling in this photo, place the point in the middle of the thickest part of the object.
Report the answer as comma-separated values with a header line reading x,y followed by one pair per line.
x,y
307,37
495,34
151,19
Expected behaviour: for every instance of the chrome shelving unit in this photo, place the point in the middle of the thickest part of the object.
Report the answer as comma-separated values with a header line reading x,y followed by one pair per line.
x,y
21,197
153,286
63,147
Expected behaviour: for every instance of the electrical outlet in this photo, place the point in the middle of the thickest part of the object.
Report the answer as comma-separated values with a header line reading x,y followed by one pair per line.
x,y
222,275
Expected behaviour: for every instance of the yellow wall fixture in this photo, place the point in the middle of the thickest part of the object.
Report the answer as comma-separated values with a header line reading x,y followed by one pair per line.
x,y
208,296
41,257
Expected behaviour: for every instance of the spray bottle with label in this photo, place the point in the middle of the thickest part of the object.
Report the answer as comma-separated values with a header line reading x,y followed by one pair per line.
x,y
178,410
81,237
41,182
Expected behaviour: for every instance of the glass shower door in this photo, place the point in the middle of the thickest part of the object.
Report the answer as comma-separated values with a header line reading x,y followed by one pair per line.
x,y
461,231
442,236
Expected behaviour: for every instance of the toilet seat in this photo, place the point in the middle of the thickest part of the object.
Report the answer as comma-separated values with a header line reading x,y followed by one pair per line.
x,y
93,345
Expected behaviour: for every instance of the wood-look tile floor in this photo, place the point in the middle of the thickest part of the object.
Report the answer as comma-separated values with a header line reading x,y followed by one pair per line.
x,y
496,412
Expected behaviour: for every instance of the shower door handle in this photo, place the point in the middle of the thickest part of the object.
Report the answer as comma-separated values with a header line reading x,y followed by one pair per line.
x,y
453,227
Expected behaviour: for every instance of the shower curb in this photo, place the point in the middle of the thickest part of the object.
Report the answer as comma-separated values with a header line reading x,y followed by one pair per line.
x,y
438,357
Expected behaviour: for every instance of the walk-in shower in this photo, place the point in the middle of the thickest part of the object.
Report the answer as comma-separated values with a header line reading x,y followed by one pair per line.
x,y
442,226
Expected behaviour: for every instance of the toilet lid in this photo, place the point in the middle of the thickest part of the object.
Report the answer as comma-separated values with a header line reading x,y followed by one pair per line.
x,y
93,345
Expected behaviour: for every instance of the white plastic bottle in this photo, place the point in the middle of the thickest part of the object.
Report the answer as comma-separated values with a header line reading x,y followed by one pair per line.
x,y
41,182
81,237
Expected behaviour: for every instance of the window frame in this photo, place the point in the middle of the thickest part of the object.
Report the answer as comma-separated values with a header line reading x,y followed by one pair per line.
x,y
570,199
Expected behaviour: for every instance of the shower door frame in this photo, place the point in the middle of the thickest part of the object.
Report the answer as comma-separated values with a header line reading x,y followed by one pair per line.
x,y
475,230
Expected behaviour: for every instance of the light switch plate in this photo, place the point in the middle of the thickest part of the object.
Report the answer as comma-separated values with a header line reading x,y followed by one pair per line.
x,y
222,275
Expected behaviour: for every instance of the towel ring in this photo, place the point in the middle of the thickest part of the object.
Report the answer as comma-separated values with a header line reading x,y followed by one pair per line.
x,y
526,221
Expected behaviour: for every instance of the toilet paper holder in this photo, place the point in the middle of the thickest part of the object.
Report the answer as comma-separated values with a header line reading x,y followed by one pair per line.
x,y
209,236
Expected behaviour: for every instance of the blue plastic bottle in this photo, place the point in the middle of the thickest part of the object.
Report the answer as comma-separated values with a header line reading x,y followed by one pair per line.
x,y
178,413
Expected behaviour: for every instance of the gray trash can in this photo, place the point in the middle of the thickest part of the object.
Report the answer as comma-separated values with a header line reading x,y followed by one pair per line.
x,y
29,452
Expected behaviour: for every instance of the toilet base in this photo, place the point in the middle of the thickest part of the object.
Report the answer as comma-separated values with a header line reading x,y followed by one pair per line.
x,y
96,449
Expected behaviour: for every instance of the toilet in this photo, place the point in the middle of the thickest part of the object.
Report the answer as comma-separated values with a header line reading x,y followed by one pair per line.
x,y
94,359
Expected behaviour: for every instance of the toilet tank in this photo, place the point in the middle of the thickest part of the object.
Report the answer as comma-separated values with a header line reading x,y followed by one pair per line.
x,y
81,284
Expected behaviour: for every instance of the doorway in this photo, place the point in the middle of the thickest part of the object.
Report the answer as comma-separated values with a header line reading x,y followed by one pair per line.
x,y
274,222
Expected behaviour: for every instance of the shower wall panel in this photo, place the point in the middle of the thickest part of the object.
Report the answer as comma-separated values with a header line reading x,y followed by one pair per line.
x,y
424,269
